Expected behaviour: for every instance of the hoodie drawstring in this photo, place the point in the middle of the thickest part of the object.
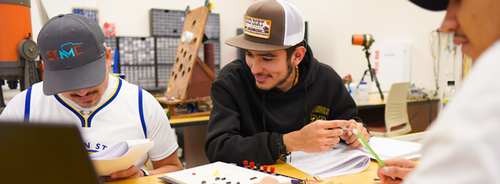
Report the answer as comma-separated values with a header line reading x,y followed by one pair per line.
x,y
264,111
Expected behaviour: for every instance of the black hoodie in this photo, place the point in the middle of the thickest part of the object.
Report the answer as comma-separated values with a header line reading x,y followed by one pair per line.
x,y
246,121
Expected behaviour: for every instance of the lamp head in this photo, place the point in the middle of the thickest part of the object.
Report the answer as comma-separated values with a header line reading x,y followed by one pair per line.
x,y
362,39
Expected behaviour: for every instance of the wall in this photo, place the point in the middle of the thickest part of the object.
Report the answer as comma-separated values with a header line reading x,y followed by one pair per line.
x,y
131,17
53,8
331,25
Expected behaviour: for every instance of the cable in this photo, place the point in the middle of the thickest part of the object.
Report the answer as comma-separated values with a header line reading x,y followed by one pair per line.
x,y
454,57
435,56
452,48
418,111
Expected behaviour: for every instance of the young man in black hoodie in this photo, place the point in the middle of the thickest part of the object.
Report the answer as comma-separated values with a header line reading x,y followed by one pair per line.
x,y
280,99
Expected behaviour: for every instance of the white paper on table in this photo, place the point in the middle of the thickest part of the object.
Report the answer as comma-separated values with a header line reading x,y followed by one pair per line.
x,y
342,160
120,156
230,173
335,162
387,148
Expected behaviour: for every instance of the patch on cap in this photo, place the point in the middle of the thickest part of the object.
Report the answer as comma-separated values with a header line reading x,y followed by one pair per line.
x,y
257,27
270,25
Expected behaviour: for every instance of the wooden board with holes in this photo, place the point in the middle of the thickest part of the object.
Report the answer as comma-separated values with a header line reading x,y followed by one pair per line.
x,y
187,52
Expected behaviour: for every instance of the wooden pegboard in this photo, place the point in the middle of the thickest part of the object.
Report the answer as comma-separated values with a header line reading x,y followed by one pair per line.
x,y
187,60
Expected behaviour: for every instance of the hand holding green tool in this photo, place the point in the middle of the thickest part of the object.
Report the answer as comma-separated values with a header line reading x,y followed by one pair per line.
x,y
363,141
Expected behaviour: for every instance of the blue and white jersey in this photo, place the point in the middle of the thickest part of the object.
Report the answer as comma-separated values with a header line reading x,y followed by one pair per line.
x,y
124,112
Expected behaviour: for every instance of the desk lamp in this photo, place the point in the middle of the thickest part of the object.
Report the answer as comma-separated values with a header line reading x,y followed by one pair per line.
x,y
366,41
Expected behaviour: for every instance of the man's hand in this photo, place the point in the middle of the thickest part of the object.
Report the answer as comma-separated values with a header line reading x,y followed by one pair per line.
x,y
351,139
315,137
132,172
396,168
270,180
168,164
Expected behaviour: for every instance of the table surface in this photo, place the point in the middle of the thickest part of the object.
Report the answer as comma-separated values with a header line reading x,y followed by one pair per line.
x,y
188,121
367,176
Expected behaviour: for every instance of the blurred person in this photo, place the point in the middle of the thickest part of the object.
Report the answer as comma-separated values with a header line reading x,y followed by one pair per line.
x,y
78,89
462,145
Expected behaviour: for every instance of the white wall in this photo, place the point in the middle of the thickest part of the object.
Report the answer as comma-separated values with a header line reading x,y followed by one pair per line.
x,y
53,8
331,25
131,17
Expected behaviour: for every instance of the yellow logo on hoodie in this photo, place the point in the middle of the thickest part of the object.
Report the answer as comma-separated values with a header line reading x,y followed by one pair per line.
x,y
319,113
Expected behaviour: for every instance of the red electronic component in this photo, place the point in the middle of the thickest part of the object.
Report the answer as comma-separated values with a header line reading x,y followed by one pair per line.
x,y
245,163
264,167
251,165
272,170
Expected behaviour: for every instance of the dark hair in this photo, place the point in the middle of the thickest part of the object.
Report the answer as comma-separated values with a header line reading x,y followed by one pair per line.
x,y
290,50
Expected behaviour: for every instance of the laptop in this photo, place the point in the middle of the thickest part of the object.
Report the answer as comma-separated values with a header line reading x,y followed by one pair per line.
x,y
44,153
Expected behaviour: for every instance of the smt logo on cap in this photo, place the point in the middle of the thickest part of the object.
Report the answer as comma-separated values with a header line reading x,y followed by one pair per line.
x,y
60,54
257,27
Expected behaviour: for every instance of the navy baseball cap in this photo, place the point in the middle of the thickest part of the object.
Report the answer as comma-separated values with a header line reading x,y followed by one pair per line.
x,y
434,5
73,52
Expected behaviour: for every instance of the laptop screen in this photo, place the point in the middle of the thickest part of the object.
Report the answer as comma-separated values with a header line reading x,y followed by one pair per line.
x,y
44,153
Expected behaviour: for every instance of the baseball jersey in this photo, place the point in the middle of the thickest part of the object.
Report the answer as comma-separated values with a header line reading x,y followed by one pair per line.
x,y
124,112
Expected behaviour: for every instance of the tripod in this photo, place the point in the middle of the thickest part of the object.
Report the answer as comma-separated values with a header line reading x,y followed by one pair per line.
x,y
372,72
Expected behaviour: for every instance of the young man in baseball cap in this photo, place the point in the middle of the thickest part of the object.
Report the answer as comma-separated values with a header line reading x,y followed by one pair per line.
x,y
78,89
280,98
462,145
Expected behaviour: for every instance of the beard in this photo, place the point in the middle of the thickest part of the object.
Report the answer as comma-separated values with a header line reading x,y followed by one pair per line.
x,y
282,81
87,104
290,69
